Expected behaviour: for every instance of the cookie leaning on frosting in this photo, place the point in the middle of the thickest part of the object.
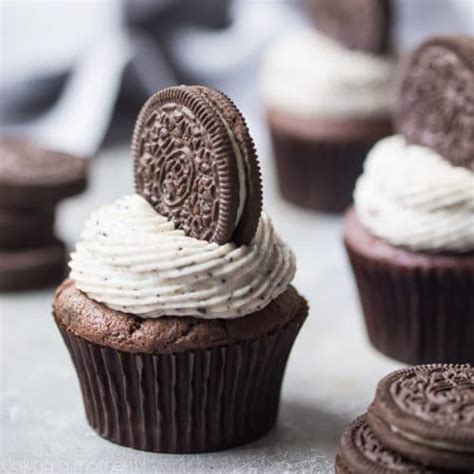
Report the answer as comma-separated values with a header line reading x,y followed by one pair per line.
x,y
410,235
179,313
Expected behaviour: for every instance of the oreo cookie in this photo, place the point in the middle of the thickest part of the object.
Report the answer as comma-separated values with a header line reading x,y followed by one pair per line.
x,y
32,268
361,452
33,177
436,104
25,228
195,163
426,413
358,24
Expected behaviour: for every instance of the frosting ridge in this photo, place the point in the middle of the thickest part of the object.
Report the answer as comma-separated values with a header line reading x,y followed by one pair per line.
x,y
134,260
410,196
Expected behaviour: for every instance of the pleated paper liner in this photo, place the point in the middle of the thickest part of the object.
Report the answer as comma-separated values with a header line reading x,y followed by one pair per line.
x,y
184,402
417,314
320,173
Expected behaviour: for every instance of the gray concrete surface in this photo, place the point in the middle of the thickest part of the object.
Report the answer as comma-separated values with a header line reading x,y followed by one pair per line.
x,y
330,379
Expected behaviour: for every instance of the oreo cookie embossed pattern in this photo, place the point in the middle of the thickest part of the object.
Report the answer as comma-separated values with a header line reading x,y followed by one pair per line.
x,y
421,421
427,414
361,452
437,99
195,162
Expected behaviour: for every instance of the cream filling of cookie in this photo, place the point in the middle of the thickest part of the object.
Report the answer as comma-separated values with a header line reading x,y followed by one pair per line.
x,y
431,443
134,260
240,168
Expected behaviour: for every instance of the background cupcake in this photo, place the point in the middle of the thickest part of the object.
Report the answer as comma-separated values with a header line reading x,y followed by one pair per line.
x,y
179,335
411,236
328,100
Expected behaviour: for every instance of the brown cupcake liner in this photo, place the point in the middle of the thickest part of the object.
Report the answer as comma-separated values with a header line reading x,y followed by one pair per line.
x,y
318,174
419,314
184,402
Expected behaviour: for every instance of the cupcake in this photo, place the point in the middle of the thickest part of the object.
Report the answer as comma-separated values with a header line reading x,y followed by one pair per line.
x,y
410,235
179,313
326,105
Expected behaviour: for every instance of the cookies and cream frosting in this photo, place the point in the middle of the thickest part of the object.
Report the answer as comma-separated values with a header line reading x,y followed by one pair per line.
x,y
134,260
312,75
410,196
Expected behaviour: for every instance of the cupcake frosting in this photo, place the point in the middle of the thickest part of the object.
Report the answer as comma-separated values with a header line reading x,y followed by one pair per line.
x,y
312,75
410,196
134,260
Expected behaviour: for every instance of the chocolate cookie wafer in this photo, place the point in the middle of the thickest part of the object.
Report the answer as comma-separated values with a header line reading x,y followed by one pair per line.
x,y
21,228
32,268
33,177
361,452
358,24
231,115
426,413
436,105
195,163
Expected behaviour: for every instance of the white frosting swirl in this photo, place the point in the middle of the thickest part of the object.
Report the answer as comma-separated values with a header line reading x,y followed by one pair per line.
x,y
310,74
410,196
132,259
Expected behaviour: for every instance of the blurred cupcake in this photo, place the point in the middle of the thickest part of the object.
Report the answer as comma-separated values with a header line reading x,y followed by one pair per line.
x,y
410,237
326,106
179,335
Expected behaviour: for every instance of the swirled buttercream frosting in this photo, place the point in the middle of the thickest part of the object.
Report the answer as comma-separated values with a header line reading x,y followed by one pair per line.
x,y
312,75
134,260
410,196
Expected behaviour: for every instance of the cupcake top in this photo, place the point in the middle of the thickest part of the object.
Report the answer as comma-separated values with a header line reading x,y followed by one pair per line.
x,y
312,75
137,260
412,193
412,197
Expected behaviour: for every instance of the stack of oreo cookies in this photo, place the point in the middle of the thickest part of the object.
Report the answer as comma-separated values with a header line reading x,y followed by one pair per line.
x,y
32,182
421,421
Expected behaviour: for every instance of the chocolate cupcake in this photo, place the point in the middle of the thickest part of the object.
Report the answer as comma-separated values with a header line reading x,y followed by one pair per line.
x,y
410,237
326,105
179,335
